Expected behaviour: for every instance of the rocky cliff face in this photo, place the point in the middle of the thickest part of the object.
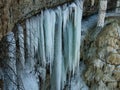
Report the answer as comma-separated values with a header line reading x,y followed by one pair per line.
x,y
12,11
102,57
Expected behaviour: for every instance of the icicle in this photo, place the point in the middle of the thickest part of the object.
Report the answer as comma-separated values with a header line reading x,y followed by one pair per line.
x,y
27,47
34,36
77,34
41,43
72,35
57,63
10,70
31,27
49,34
92,2
53,19
102,12
21,48
118,6
36,26
20,62
65,41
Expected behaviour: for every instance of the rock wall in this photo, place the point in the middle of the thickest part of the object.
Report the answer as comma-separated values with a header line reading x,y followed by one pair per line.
x,y
102,57
11,11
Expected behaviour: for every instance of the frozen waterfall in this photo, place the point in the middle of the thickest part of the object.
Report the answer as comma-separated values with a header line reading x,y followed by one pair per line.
x,y
48,49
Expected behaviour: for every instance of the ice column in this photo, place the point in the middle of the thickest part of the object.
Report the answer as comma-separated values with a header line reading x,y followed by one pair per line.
x,y
102,12
10,64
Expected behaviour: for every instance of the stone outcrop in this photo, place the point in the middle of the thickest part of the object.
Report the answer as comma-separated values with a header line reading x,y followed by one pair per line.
x,y
101,55
12,11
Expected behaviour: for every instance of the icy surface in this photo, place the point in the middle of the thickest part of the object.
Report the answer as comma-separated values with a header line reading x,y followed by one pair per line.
x,y
49,45
10,69
29,81
59,36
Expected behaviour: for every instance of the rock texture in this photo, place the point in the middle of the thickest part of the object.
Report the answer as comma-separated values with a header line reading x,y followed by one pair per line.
x,y
14,11
101,55
11,11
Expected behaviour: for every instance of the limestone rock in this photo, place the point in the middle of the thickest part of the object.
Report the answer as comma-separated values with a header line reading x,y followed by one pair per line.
x,y
14,11
102,57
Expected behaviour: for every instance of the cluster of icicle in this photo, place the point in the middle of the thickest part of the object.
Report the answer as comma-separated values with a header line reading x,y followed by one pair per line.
x,y
51,40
